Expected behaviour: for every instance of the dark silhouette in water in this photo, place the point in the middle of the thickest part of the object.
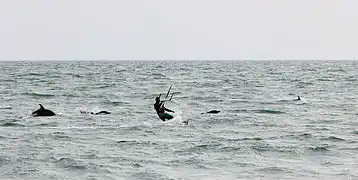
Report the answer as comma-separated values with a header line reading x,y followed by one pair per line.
x,y
159,107
42,112
186,122
98,113
212,112
298,98
101,112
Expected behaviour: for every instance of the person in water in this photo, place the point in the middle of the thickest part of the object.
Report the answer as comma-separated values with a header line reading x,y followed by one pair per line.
x,y
159,107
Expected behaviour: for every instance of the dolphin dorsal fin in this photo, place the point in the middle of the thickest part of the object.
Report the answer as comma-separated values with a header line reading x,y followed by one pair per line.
x,y
41,107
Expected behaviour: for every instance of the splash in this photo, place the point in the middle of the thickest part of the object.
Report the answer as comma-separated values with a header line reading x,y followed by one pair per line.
x,y
180,117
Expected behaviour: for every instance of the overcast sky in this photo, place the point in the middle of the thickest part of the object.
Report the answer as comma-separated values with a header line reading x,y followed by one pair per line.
x,y
178,29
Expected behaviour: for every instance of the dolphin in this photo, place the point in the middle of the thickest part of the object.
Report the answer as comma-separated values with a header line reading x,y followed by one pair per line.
x,y
42,112
212,112
101,112
298,98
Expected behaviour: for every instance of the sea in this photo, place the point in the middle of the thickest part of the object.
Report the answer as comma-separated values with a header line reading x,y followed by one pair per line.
x,y
261,132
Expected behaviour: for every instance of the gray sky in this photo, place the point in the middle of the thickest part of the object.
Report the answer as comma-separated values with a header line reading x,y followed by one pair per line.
x,y
178,29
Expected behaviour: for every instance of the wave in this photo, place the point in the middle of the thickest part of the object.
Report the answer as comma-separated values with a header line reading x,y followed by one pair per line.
x,y
304,84
261,111
31,74
333,138
306,135
267,103
71,164
115,103
77,76
11,124
46,124
251,139
351,78
124,141
287,100
33,94
6,107
7,80
324,79
318,148
261,147
134,142
158,75
239,111
246,139
104,86
71,95
275,170
266,111
5,160
203,147
229,149
58,136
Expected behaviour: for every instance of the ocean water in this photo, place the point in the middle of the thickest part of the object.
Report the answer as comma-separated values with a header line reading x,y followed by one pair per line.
x,y
262,131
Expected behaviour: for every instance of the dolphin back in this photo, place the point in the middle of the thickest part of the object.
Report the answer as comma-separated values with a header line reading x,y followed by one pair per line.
x,y
43,112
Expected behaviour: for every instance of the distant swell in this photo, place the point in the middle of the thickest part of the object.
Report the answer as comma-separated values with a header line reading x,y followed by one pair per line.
x,y
264,111
46,124
318,149
38,94
31,74
246,139
104,86
333,138
11,124
274,170
203,147
6,107
124,141
306,135
261,148
71,164
133,142
239,111
116,103
324,79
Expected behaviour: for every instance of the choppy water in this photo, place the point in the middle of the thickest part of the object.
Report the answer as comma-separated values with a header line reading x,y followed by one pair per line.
x,y
261,132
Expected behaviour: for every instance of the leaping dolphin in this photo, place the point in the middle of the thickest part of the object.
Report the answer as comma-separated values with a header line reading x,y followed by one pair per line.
x,y
42,112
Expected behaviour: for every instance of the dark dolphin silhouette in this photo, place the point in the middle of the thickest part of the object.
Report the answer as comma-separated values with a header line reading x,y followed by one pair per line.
x,y
42,112
212,112
298,98
101,112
